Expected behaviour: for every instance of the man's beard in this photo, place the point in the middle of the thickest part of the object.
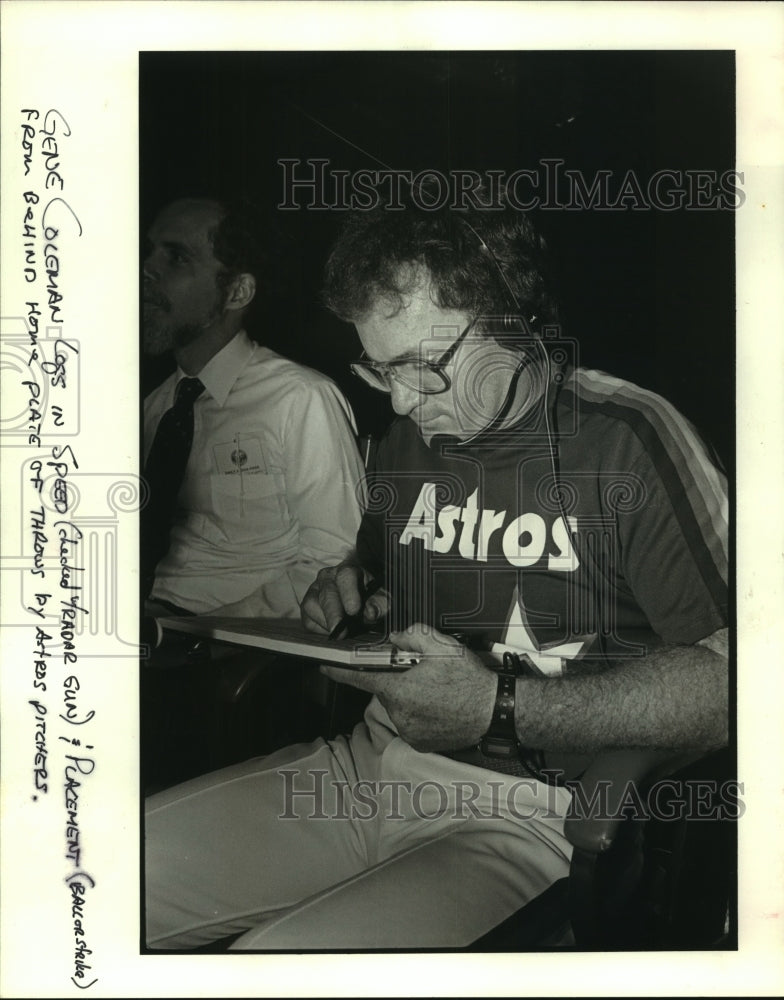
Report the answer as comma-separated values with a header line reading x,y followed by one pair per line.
x,y
160,335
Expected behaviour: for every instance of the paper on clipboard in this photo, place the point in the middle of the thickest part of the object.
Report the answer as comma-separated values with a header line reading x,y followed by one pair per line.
x,y
369,652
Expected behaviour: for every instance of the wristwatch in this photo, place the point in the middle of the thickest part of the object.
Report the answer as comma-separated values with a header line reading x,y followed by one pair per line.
x,y
500,740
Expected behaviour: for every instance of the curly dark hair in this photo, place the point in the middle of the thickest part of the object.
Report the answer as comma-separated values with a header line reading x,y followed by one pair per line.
x,y
485,261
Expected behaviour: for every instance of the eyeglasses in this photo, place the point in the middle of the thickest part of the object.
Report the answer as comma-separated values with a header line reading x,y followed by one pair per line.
x,y
426,377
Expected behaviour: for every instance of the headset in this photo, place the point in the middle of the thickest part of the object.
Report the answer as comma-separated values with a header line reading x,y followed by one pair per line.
x,y
510,322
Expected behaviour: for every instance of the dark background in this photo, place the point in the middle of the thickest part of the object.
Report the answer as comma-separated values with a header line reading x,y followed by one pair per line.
x,y
649,295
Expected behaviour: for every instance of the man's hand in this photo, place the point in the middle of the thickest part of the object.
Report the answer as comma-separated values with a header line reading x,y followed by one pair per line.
x,y
443,702
337,591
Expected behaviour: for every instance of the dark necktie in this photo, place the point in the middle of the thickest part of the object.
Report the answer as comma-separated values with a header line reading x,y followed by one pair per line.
x,y
163,473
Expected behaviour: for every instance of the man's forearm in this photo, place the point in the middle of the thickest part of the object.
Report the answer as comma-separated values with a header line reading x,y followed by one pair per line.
x,y
673,698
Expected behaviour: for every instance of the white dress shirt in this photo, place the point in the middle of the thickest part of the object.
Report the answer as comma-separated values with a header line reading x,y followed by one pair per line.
x,y
273,487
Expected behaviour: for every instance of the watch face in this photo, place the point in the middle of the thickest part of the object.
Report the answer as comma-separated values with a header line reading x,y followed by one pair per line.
x,y
492,746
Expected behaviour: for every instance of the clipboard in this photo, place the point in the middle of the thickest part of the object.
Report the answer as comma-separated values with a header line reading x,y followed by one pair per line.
x,y
368,652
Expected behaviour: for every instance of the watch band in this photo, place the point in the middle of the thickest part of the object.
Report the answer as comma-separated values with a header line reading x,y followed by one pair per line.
x,y
500,740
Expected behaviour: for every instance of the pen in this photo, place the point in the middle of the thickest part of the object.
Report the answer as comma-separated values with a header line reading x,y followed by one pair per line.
x,y
347,621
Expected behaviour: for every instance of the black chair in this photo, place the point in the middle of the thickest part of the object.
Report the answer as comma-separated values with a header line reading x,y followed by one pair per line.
x,y
653,865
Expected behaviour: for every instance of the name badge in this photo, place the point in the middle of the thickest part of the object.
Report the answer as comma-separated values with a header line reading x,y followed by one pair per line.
x,y
242,455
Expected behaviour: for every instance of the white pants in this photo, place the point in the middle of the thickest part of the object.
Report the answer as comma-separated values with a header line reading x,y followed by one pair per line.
x,y
356,843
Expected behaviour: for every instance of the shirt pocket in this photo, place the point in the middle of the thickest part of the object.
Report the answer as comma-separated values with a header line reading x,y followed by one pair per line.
x,y
252,504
